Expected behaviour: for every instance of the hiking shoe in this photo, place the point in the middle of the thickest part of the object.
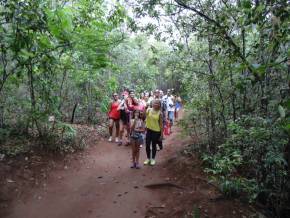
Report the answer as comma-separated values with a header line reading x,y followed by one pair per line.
x,y
110,139
152,162
133,166
146,162
117,140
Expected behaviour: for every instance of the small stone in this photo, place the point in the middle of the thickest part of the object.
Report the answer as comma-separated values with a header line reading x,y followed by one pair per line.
x,y
136,187
10,181
65,167
39,198
26,158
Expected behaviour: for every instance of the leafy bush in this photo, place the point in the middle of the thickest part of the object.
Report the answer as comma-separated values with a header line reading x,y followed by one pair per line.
x,y
61,137
252,161
12,151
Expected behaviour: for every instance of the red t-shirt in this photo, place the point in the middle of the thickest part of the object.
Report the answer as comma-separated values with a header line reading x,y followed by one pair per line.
x,y
132,104
114,113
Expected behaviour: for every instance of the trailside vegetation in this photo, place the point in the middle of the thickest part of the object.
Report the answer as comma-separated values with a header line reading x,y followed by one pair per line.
x,y
60,62
231,61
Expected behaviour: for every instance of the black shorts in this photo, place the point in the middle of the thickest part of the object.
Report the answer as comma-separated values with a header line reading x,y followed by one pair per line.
x,y
124,117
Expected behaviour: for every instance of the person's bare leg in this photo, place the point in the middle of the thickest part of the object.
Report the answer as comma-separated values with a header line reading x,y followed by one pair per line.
x,y
137,155
111,122
121,132
133,153
128,134
117,123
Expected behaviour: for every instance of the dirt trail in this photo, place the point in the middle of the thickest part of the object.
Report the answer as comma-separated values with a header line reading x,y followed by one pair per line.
x,y
100,184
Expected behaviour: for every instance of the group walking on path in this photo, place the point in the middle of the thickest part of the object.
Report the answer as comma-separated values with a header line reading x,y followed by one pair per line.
x,y
147,119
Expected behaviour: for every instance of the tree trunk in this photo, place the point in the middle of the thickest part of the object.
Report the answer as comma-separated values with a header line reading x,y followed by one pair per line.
x,y
73,113
211,92
89,106
233,97
223,109
32,98
1,115
61,88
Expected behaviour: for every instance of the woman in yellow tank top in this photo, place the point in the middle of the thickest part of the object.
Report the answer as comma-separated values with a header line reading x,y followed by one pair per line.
x,y
154,131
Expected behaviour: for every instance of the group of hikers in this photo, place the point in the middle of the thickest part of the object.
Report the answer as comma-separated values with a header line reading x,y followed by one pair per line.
x,y
145,119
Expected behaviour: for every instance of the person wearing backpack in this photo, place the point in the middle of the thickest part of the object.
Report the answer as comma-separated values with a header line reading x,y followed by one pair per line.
x,y
154,127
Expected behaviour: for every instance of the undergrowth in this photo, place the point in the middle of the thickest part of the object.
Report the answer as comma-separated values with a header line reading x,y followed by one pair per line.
x,y
251,162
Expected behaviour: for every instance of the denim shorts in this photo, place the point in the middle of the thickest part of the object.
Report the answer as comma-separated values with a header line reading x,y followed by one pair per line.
x,y
171,116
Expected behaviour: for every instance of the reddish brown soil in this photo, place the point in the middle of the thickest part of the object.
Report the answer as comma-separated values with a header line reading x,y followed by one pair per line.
x,y
100,183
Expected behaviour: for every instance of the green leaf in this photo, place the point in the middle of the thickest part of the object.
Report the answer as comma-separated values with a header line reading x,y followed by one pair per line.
x,y
281,111
246,4
25,54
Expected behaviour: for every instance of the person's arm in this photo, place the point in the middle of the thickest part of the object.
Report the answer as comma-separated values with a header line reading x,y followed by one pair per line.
x,y
129,103
119,106
109,108
161,124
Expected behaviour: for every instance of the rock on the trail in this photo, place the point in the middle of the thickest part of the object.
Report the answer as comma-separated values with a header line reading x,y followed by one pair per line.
x,y
10,181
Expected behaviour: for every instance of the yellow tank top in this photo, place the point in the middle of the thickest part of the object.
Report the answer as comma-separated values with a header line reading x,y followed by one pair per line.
x,y
152,120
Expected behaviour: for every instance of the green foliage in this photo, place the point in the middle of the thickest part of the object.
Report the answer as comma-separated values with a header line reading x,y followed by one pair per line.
x,y
257,145
232,67
14,150
61,138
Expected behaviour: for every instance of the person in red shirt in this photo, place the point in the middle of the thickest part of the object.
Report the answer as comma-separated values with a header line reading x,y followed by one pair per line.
x,y
114,117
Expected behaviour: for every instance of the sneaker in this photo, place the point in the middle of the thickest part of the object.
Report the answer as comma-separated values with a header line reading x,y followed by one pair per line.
x,y
137,166
152,162
110,139
117,140
146,162
133,166
120,143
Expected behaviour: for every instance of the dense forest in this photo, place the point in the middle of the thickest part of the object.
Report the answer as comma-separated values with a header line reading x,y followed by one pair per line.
x,y
229,60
